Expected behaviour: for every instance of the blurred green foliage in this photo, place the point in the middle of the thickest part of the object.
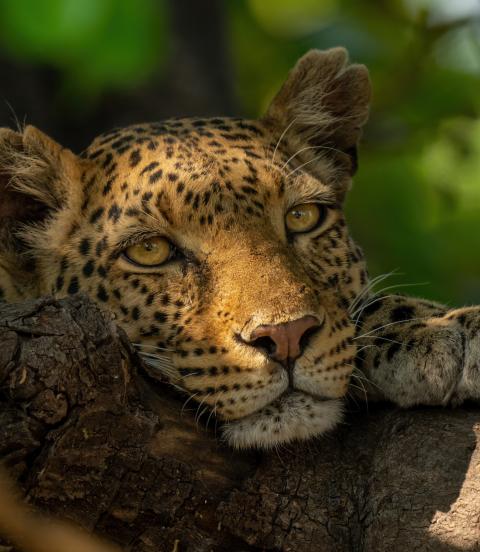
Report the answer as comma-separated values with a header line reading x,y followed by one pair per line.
x,y
415,205
97,44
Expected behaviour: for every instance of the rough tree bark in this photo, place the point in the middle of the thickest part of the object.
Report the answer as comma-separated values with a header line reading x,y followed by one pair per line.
x,y
90,438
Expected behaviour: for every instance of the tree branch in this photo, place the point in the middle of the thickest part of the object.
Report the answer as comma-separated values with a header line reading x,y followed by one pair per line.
x,y
90,439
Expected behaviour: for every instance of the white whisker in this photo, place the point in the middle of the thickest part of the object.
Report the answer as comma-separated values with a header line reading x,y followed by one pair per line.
x,y
315,158
358,313
187,401
212,412
281,138
305,149
368,287
302,165
378,293
200,406
145,345
358,374
390,324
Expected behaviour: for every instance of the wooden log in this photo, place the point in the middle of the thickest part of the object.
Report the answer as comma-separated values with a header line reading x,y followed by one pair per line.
x,y
90,438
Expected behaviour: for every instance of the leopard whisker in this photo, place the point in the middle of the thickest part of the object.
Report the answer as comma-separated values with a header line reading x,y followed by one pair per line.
x,y
200,414
161,359
292,122
382,338
352,396
200,406
155,219
365,292
302,165
391,324
316,158
161,363
368,287
378,297
364,347
212,412
155,355
300,151
358,374
362,389
358,313
402,285
145,345
189,398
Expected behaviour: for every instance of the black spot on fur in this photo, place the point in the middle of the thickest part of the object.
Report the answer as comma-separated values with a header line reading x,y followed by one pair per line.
x,y
404,312
135,158
372,307
88,268
58,285
410,344
73,285
149,167
102,294
135,313
114,213
155,177
96,215
393,350
108,187
84,247
160,316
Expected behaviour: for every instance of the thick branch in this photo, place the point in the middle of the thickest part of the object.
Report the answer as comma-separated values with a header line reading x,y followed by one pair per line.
x,y
91,440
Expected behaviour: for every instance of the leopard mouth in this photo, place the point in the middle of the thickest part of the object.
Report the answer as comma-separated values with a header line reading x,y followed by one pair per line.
x,y
294,416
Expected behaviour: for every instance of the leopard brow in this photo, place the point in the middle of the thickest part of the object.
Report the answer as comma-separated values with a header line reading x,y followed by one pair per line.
x,y
319,196
305,190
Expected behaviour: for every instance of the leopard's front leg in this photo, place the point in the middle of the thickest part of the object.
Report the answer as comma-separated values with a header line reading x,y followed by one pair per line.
x,y
411,351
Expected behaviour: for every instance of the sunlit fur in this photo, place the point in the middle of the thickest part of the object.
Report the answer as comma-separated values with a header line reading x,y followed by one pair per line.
x,y
219,190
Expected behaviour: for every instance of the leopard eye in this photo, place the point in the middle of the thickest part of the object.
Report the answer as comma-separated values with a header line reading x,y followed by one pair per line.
x,y
305,217
151,252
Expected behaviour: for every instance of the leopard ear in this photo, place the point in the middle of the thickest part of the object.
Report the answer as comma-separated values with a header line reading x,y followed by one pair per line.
x,y
324,103
35,172
37,179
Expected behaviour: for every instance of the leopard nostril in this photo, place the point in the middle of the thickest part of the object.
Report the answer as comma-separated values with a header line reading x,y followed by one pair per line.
x,y
266,344
284,341
308,334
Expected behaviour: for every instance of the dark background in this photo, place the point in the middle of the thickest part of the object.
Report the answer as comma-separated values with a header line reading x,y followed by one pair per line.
x,y
76,68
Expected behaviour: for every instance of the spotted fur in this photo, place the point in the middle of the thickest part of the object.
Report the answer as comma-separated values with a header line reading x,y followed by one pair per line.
x,y
219,189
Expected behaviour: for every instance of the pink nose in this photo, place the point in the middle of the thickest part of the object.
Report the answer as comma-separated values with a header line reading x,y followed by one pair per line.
x,y
283,342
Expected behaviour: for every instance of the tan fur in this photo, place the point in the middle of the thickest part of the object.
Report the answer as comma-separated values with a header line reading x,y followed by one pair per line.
x,y
219,190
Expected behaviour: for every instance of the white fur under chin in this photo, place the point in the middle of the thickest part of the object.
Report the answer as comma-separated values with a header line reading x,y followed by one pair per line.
x,y
293,417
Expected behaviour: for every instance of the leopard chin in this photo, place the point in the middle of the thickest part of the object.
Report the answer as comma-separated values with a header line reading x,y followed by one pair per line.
x,y
293,417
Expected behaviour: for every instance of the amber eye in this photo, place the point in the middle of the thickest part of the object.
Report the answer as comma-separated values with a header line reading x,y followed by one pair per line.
x,y
305,217
151,252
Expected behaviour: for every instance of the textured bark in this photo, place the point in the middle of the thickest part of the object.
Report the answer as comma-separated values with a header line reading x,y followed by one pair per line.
x,y
91,439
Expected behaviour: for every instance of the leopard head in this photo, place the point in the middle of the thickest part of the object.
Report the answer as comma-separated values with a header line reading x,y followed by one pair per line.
x,y
220,245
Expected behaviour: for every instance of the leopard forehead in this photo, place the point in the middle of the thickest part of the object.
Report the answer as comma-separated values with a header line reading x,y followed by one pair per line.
x,y
229,165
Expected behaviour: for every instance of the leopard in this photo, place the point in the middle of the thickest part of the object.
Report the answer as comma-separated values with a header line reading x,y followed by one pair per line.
x,y
220,245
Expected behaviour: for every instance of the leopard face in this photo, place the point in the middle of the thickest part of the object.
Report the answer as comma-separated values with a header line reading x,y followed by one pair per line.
x,y
220,246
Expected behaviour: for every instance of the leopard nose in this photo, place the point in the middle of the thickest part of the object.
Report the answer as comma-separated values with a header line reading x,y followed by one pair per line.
x,y
284,342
